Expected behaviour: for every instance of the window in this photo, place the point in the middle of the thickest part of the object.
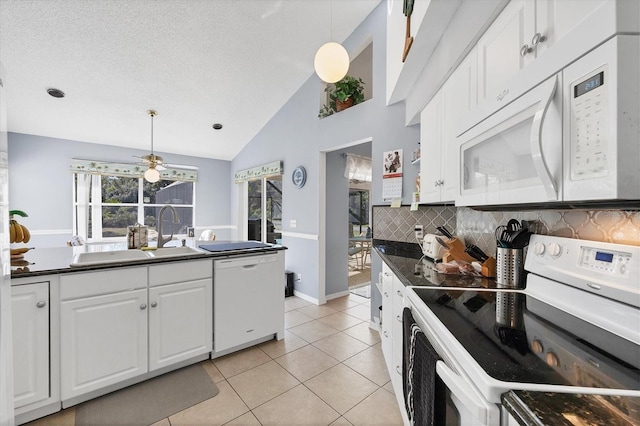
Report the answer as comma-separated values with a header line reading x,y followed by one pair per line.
x,y
264,201
105,205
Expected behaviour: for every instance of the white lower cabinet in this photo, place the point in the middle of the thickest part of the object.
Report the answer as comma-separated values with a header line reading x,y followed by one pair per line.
x,y
30,311
180,323
120,324
104,340
392,311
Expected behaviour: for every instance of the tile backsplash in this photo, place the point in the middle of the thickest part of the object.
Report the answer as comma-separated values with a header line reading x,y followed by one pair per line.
x,y
477,227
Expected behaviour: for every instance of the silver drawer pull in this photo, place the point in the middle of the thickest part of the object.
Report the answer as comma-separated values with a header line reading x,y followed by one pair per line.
x,y
525,50
385,333
399,293
143,306
537,38
41,304
386,294
398,318
154,304
398,370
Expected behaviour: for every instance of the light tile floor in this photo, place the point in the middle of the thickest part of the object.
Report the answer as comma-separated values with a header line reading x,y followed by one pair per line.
x,y
328,370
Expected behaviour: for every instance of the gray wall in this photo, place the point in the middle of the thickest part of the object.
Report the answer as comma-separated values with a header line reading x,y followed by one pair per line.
x,y
40,184
296,136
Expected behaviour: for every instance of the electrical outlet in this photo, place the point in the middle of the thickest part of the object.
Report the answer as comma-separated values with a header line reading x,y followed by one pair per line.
x,y
419,230
298,277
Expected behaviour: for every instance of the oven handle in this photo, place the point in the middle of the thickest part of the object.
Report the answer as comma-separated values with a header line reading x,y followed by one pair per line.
x,y
464,392
536,141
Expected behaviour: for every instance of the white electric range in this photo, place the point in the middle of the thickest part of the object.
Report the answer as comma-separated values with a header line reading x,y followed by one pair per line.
x,y
574,329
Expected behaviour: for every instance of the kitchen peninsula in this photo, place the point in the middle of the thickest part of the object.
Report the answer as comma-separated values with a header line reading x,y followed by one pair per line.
x,y
101,326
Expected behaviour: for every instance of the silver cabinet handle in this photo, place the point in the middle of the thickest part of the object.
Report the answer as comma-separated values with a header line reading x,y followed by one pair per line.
x,y
399,293
386,294
398,370
537,38
385,333
398,318
154,304
524,50
143,306
41,304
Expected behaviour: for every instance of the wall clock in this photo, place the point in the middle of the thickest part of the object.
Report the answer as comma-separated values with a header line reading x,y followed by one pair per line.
x,y
299,176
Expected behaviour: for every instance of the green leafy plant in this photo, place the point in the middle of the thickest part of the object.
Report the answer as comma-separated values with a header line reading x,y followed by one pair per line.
x,y
347,88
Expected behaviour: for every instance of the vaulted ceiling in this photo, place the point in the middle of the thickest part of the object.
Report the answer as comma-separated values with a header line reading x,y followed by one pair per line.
x,y
197,62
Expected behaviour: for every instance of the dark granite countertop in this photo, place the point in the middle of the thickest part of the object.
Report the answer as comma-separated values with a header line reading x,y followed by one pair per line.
x,y
407,262
56,260
529,408
562,409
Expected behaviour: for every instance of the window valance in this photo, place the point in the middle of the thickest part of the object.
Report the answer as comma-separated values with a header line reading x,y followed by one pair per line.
x,y
258,172
130,170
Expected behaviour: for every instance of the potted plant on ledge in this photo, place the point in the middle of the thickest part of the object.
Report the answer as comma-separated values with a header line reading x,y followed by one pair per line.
x,y
344,94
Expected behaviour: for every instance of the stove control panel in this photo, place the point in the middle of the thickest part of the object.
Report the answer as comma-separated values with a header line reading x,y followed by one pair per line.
x,y
608,269
607,261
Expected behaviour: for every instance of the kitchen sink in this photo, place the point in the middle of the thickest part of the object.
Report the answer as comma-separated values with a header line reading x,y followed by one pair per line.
x,y
173,251
122,256
105,257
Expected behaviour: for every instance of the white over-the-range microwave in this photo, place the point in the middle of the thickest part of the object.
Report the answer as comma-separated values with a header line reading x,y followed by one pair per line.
x,y
573,138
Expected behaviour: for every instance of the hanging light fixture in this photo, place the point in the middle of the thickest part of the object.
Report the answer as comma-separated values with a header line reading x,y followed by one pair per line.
x,y
152,174
332,60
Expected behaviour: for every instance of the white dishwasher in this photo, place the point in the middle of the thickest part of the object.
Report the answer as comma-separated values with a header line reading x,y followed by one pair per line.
x,y
248,301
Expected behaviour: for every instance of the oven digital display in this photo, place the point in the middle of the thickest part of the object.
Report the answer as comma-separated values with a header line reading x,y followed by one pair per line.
x,y
589,84
604,257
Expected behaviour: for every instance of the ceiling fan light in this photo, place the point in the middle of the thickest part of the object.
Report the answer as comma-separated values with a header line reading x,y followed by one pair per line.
x,y
331,62
152,175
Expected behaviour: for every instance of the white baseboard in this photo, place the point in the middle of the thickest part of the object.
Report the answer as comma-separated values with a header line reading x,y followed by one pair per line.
x,y
336,295
306,297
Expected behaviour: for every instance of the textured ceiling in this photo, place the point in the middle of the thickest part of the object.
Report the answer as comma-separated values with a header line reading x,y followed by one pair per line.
x,y
196,62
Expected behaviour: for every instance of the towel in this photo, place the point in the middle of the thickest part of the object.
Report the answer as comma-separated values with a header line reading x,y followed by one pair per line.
x,y
424,392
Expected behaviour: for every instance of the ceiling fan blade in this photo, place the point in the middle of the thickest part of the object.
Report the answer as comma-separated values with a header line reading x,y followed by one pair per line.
x,y
160,167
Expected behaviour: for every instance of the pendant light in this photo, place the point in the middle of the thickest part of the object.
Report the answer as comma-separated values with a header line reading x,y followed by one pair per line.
x,y
152,174
332,60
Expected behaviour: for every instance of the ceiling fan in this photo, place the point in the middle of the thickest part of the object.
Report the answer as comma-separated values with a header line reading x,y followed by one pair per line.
x,y
153,161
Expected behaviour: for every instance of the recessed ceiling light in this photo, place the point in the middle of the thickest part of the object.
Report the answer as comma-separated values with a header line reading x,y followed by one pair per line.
x,y
56,93
217,126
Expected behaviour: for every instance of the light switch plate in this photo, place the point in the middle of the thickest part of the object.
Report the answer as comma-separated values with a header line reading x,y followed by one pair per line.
x,y
292,223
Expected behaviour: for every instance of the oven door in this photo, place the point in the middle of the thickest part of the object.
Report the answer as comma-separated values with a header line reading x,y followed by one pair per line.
x,y
465,405
514,155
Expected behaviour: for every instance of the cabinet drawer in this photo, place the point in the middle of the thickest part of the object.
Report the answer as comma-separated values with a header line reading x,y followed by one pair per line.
x,y
106,281
176,272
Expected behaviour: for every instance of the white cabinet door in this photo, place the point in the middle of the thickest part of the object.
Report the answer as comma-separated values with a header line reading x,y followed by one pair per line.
x,y
387,315
103,341
30,310
557,18
431,150
180,322
499,49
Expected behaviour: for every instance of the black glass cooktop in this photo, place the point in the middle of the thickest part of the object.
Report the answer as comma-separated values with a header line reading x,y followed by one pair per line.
x,y
517,338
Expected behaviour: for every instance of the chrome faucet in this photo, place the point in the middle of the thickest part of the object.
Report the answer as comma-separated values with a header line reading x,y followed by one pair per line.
x,y
161,239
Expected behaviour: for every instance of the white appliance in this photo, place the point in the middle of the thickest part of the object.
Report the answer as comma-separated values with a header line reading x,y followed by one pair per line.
x,y
573,137
431,248
577,331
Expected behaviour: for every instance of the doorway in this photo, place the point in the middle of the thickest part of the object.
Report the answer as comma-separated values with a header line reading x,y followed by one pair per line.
x,y
359,236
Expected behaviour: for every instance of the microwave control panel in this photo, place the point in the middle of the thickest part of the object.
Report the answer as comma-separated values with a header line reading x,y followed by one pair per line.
x,y
589,125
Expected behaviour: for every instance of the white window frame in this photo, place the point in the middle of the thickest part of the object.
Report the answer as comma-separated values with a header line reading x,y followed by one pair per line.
x,y
81,220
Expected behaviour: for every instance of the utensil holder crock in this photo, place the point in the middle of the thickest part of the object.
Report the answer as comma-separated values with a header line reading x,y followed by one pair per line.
x,y
510,268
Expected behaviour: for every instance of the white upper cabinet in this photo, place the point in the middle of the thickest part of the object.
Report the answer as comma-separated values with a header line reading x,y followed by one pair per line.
x,y
439,125
524,31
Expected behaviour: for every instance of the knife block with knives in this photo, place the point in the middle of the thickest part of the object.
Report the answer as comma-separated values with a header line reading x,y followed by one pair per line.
x,y
456,250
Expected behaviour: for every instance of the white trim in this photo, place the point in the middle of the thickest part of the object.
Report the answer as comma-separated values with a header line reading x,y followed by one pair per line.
x,y
51,231
306,297
322,226
374,324
216,227
300,235
336,295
